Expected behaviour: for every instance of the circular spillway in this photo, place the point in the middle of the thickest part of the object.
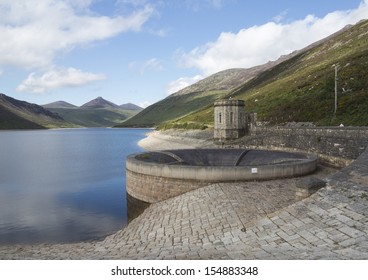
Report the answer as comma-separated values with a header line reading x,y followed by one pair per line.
x,y
156,176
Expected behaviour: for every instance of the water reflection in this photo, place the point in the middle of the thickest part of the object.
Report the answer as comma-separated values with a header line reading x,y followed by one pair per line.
x,y
135,207
63,185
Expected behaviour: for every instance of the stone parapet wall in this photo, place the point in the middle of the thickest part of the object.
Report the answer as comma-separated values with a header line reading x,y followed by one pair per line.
x,y
156,181
337,146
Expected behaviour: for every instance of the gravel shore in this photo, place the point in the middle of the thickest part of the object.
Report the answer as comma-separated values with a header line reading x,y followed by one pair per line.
x,y
177,139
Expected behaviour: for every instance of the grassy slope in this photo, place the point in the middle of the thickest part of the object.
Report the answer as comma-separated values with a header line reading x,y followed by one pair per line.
x,y
91,117
173,107
16,114
302,88
8,120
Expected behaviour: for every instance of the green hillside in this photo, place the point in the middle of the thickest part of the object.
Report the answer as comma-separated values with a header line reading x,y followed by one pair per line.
x,y
9,120
93,117
16,114
301,89
95,113
194,97
172,108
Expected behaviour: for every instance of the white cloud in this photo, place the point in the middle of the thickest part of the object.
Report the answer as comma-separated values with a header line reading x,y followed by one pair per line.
x,y
280,16
159,32
132,65
33,32
197,5
216,3
55,79
151,64
258,44
132,2
181,83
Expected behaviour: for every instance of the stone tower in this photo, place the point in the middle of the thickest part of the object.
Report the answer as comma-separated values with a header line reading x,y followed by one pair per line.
x,y
230,121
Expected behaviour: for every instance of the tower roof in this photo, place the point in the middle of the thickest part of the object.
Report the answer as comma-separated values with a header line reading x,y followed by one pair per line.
x,y
229,102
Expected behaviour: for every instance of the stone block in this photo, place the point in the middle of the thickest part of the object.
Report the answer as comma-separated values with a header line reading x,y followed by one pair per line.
x,y
307,186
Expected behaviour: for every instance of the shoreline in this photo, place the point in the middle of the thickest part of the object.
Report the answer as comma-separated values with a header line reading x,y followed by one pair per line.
x,y
177,139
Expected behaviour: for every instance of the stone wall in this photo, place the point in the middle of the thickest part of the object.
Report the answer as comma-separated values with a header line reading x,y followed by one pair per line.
x,y
153,189
337,146
152,181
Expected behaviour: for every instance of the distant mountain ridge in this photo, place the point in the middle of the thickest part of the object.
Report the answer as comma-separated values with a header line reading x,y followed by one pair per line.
x,y
30,107
130,106
98,112
16,114
59,104
99,102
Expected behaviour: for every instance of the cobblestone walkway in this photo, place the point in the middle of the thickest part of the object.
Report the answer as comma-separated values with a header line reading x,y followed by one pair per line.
x,y
253,220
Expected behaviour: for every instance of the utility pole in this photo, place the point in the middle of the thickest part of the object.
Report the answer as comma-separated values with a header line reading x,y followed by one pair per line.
x,y
337,67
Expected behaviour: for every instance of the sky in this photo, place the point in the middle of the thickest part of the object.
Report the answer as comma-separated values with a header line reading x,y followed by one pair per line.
x,y
140,51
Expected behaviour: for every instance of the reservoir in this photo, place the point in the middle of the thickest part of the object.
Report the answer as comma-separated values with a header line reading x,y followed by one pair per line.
x,y
67,185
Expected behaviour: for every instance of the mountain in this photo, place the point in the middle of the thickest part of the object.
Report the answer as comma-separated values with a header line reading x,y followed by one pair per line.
x,y
95,113
191,98
130,106
200,94
59,104
224,80
301,89
171,108
16,114
296,87
99,103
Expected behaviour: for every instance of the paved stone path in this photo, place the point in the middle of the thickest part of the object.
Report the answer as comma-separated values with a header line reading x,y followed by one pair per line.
x,y
253,220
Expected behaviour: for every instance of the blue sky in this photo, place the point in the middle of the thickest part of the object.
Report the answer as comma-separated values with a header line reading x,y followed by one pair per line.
x,y
140,51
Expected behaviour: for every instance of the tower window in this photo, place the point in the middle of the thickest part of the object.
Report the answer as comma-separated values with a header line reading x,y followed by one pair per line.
x,y
220,118
231,117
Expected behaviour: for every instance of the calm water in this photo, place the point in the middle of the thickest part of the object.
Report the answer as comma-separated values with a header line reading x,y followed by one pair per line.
x,y
63,185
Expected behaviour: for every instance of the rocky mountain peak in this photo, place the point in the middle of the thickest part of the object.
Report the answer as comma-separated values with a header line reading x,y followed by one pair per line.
x,y
99,102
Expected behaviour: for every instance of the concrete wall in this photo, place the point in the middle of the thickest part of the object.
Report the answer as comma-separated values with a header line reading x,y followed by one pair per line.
x,y
154,182
153,189
337,146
